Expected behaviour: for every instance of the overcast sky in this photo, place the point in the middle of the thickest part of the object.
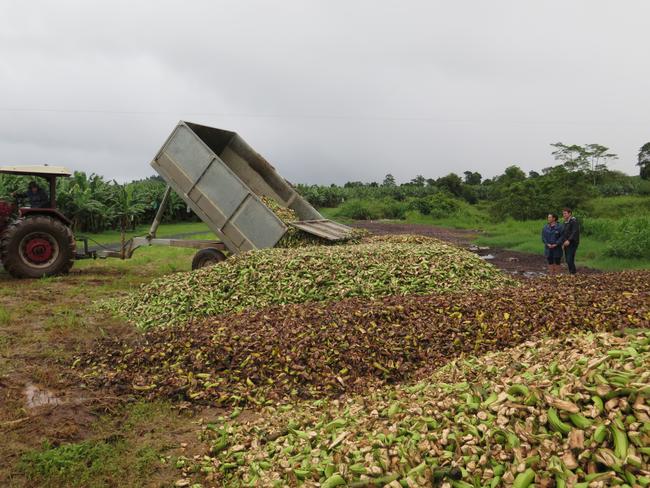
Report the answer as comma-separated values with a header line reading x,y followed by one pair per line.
x,y
328,91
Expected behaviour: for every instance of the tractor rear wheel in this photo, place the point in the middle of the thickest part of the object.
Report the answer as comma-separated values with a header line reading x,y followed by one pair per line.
x,y
37,246
207,257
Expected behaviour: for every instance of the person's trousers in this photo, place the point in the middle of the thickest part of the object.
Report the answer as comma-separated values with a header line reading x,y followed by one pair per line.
x,y
570,257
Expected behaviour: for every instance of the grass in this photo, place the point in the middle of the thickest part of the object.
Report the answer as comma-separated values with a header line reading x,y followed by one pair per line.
x,y
44,324
64,318
469,217
149,262
617,207
125,453
165,230
83,464
525,236
5,316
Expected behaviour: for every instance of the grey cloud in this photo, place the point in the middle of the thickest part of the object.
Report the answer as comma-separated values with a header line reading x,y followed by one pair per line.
x,y
328,91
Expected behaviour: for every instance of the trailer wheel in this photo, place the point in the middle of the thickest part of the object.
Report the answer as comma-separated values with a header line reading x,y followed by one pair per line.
x,y
207,257
38,246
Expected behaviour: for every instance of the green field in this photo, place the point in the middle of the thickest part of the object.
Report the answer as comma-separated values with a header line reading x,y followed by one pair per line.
x,y
523,236
602,216
165,230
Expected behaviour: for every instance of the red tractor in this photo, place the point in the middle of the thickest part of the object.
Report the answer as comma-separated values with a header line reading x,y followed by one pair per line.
x,y
36,241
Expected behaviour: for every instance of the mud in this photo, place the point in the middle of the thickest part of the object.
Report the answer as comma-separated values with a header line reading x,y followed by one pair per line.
x,y
38,397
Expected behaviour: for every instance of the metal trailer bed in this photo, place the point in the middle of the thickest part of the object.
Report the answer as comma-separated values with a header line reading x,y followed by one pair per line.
x,y
223,179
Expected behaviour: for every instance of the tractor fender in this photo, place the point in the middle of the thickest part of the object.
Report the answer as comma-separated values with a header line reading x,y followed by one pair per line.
x,y
49,212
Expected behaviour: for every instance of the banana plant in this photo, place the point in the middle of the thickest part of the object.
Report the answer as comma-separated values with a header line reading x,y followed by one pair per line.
x,y
125,208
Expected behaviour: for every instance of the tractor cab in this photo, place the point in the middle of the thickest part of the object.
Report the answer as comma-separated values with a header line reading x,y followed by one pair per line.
x,y
43,172
35,241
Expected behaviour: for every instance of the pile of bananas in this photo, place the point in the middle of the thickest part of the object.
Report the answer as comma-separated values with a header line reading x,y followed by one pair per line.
x,y
327,349
285,214
295,237
553,413
254,280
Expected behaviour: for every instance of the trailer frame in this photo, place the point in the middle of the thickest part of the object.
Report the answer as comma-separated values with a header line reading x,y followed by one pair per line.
x,y
150,239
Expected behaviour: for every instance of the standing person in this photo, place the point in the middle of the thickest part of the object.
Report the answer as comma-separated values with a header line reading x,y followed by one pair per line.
x,y
552,239
570,238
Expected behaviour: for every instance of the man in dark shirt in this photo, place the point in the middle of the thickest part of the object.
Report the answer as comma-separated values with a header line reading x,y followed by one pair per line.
x,y
36,196
570,239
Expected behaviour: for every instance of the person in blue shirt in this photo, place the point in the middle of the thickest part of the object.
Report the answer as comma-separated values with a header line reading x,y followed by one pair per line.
x,y
552,239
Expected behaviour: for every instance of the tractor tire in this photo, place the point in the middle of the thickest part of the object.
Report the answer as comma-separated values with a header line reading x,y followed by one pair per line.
x,y
207,257
37,246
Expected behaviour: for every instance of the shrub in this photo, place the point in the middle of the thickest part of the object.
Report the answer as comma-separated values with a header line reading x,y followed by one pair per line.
x,y
601,229
631,239
443,205
373,209
422,205
356,210
438,206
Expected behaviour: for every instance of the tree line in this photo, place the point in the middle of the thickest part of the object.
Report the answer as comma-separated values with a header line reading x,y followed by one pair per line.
x,y
95,204
580,174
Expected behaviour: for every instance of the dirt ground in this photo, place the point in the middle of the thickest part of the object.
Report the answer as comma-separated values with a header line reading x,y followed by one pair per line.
x,y
43,325
516,263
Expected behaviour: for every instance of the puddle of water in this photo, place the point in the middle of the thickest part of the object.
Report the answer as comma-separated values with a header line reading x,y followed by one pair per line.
x,y
37,397
533,274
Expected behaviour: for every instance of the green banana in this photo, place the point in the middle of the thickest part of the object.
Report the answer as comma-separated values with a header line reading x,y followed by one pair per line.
x,y
335,424
600,434
461,484
301,474
418,470
523,480
580,421
620,442
598,404
519,389
332,481
557,424
490,399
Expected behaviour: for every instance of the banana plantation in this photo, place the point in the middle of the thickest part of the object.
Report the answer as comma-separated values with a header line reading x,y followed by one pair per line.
x,y
95,204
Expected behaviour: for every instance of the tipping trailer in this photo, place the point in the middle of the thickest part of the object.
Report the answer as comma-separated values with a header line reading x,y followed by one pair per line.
x,y
223,179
